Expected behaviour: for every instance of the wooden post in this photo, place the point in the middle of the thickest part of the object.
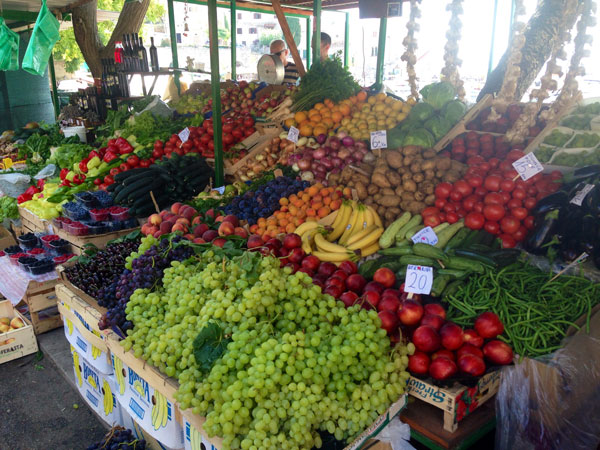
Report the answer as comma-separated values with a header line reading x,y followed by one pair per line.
x,y
289,39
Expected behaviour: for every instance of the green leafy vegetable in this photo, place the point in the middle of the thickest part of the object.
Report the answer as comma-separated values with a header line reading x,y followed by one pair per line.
x,y
8,208
438,126
421,112
68,154
454,111
209,345
438,94
420,137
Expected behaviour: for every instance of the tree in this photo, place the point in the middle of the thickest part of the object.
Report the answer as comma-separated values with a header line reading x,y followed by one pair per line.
x,y
100,44
543,32
295,28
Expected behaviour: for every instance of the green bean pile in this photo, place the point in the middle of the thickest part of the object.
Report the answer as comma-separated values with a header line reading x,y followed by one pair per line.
x,y
535,311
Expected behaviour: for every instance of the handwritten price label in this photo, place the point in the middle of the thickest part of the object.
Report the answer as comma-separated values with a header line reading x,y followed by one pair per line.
x,y
378,139
528,166
580,196
425,236
184,135
419,279
293,135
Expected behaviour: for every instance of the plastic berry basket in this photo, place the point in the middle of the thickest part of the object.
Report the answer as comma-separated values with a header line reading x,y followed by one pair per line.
x,y
49,237
78,229
103,198
14,259
60,246
13,249
119,213
115,225
28,241
42,266
132,222
25,262
96,227
100,215
87,199
37,252
74,211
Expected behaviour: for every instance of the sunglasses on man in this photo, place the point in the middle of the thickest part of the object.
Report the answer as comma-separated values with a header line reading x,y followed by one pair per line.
x,y
280,52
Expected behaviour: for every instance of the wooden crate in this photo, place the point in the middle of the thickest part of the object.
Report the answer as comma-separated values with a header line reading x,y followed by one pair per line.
x,y
88,315
254,144
32,222
458,401
40,298
461,126
78,243
91,301
16,343
6,238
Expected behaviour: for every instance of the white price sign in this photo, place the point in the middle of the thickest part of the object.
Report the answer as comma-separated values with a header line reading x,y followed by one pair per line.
x,y
528,166
220,190
419,279
425,236
293,135
184,135
378,139
580,196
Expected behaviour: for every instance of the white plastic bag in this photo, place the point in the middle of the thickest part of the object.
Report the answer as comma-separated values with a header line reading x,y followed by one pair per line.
x,y
397,433
14,184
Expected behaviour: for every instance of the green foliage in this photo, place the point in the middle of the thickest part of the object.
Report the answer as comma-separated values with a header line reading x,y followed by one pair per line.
x,y
67,50
8,208
209,345
266,39
438,94
295,28
68,154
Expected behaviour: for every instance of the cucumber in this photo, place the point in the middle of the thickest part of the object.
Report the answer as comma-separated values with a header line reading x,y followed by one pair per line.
x,y
412,223
481,248
142,176
429,251
439,284
446,234
387,238
133,187
412,231
393,265
403,243
470,239
476,256
454,274
368,268
505,257
398,251
401,274
452,288
130,173
457,239
418,261
461,263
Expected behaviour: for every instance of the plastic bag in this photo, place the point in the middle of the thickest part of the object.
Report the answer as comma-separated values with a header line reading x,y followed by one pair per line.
x,y
397,434
9,48
14,184
47,172
158,108
42,40
552,402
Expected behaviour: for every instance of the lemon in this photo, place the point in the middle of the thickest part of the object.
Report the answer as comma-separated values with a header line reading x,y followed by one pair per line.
x,y
397,106
372,100
406,108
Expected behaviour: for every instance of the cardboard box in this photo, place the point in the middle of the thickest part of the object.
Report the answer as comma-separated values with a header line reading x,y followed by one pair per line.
x,y
6,238
140,433
97,389
16,343
156,414
87,314
90,346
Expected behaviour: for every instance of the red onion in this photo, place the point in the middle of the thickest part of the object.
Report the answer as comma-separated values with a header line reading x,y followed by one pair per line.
x,y
304,164
321,138
328,162
334,143
347,141
321,171
319,153
361,145
342,134
336,161
314,165
336,170
326,149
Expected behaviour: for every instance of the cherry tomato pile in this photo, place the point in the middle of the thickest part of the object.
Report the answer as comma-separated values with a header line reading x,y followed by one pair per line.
x,y
490,197
487,145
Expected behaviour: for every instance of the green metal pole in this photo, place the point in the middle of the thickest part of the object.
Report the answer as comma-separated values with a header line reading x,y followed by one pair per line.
x,y
173,33
346,40
308,49
491,60
215,80
233,39
54,87
317,15
381,51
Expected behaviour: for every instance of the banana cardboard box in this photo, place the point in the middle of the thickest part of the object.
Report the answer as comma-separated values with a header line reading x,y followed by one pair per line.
x,y
148,407
193,439
140,433
97,389
90,346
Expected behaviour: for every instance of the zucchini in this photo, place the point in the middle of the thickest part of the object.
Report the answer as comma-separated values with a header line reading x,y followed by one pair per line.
x,y
403,243
387,238
452,289
368,268
412,223
470,239
418,261
144,184
481,248
454,273
476,256
398,251
429,251
142,176
505,257
129,173
439,284
412,231
461,263
440,227
401,273
456,240
446,234
393,265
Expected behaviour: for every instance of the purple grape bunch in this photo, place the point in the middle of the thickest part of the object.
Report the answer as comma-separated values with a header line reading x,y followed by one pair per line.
x,y
119,439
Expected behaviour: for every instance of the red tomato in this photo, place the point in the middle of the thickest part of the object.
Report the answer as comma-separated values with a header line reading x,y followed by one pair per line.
x,y
463,187
507,241
514,203
429,211
520,234
443,190
432,221
440,203
529,222
513,155
228,138
529,202
452,217
455,196
474,220
442,217
461,212
509,224
492,227
519,213
494,212
450,207
475,160
145,163
114,171
492,183
248,122
481,191
469,202
475,181
556,175
493,198
531,191
521,184
505,197
507,185
494,162
519,193
510,174
484,167
478,207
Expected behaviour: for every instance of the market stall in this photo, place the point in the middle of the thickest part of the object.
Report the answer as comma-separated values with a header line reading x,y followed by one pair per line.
x,y
265,267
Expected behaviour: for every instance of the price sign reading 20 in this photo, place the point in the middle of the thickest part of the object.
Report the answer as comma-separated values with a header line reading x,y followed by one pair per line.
x,y
419,279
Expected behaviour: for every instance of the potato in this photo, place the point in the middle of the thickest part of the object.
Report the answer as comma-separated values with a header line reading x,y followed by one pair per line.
x,y
408,160
416,207
429,174
381,210
372,189
350,183
377,197
366,167
380,180
402,170
369,201
364,180
456,165
440,173
394,158
389,215
394,178
361,190
429,153
443,163
334,179
427,187
404,205
430,200
407,196
389,200
451,176
396,210
388,191
419,196
399,191
418,177
410,186
407,176
411,150
415,167
428,165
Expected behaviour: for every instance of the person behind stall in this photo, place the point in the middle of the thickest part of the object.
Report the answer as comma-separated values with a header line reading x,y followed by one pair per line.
x,y
278,48
325,45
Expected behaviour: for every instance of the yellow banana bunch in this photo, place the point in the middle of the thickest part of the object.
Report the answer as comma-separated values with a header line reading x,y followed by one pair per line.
x,y
159,411
108,398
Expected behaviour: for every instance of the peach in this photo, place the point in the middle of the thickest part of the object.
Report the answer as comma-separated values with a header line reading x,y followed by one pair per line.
x,y
179,227
209,235
166,227
16,322
231,218
220,242
189,237
226,229
211,213
219,218
155,219
241,232
152,230
255,241
197,220
189,213
175,207
163,213
183,221
199,240
158,234
200,229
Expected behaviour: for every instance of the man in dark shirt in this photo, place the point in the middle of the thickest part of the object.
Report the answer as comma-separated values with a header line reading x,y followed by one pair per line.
x,y
291,71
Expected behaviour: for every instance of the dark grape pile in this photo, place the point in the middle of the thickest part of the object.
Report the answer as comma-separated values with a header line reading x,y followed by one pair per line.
x,y
264,201
106,266
119,439
146,270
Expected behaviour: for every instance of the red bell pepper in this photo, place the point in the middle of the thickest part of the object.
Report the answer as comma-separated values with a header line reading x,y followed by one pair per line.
x,y
31,190
92,154
112,141
113,149
124,146
23,198
83,165
145,163
63,173
108,180
110,156
66,183
78,179
40,184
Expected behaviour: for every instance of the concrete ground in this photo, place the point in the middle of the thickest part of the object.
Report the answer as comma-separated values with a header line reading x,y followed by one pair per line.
x,y
40,406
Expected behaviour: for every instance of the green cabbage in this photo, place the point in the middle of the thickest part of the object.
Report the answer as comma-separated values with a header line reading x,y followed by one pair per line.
x,y
438,126
420,137
438,94
421,112
454,111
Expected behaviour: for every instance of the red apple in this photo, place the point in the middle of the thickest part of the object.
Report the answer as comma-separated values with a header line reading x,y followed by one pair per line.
x,y
335,281
442,368
433,321
391,293
410,312
226,229
349,298
274,243
389,322
311,262
292,240
327,268
255,241
356,283
452,336
385,277
488,325
295,267
340,274
370,300
374,286
333,290
471,365
435,308
444,354
469,349
309,272
497,352
389,304
165,227
426,339
200,229
296,255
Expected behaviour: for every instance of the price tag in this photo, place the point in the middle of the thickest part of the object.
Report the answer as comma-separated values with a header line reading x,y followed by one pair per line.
x,y
580,196
293,135
419,279
184,135
528,166
220,190
378,139
425,236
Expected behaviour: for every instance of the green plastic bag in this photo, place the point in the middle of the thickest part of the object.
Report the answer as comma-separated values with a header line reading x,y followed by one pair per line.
x,y
9,48
44,36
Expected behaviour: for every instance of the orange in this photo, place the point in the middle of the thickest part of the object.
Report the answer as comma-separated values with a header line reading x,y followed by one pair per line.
x,y
291,122
306,130
319,106
329,102
325,112
361,96
337,117
312,191
345,109
329,123
300,116
319,129
312,112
